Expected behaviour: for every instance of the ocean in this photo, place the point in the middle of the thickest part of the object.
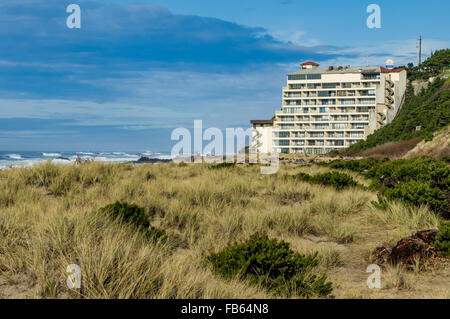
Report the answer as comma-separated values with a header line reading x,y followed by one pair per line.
x,y
27,158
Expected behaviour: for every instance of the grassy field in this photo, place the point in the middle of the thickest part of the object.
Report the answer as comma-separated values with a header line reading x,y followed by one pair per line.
x,y
49,219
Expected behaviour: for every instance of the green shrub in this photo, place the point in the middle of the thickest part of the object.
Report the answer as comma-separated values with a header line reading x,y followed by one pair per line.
x,y
418,193
134,215
418,181
442,242
356,165
335,179
222,165
271,264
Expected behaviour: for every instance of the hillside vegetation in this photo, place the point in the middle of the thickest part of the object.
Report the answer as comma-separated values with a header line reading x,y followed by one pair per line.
x,y
432,67
197,239
430,110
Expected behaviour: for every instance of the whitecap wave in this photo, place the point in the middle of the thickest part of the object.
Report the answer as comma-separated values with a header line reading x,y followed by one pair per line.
x,y
51,154
14,156
147,153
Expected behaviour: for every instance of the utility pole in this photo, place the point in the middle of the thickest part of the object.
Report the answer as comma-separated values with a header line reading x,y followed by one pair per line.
x,y
419,51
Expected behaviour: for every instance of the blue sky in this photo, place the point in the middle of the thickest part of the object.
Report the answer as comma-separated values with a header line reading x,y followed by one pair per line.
x,y
136,70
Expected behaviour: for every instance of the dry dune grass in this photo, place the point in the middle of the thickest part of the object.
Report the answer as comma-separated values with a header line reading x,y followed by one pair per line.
x,y
438,147
49,219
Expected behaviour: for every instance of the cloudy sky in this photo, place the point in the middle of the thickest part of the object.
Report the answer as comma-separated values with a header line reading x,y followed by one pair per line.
x,y
137,70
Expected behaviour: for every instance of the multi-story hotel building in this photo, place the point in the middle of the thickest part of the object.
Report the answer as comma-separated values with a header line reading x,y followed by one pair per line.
x,y
327,109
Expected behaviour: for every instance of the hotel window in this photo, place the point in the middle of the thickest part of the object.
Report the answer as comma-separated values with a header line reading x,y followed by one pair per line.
x,y
313,85
366,101
298,134
316,134
294,102
338,125
323,110
283,143
286,118
327,93
344,117
295,77
346,85
286,126
329,85
371,76
290,110
348,101
314,76
336,143
296,86
359,125
329,102
368,92
305,110
356,134
362,109
320,125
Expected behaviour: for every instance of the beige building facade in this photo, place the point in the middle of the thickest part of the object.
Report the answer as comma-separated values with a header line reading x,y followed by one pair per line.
x,y
326,109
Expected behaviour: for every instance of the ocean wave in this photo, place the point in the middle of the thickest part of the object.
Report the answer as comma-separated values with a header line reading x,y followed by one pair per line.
x,y
51,154
147,153
85,153
113,159
14,156
164,157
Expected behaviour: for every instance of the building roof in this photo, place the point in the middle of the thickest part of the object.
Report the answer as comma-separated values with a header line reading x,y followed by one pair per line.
x,y
397,70
310,63
262,122
336,70
363,69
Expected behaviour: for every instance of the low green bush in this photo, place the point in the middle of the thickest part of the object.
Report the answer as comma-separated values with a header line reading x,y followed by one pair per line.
x,y
222,165
442,242
418,181
418,193
335,179
356,165
134,215
273,265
